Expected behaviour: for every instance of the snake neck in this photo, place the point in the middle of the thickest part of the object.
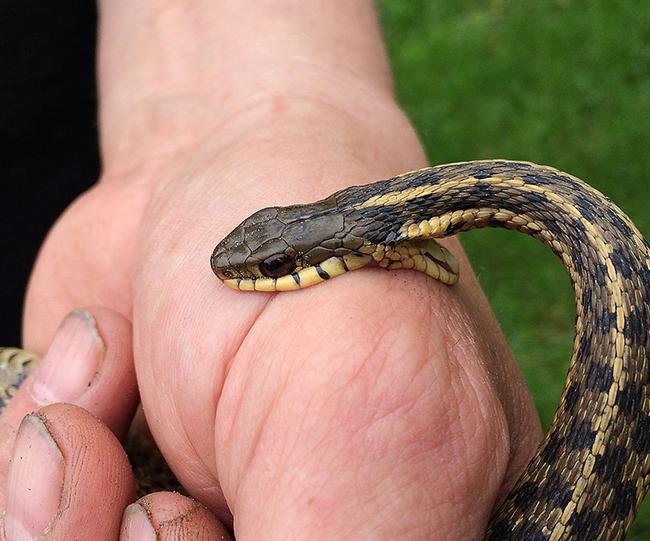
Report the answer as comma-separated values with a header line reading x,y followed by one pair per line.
x,y
593,468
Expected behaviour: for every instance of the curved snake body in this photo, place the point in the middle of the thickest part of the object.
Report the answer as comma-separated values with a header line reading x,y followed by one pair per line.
x,y
593,468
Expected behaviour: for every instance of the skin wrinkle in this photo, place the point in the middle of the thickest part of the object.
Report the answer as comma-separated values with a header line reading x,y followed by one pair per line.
x,y
219,135
377,344
283,386
175,517
401,489
74,445
187,462
458,366
308,108
301,428
72,479
460,326
324,508
254,443
271,120
242,53
490,416
178,521
450,339
242,179
401,409
508,431
170,307
407,460
174,298
368,25
252,456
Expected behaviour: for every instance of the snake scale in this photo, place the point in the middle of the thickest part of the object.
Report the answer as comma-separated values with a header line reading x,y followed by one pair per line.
x,y
592,470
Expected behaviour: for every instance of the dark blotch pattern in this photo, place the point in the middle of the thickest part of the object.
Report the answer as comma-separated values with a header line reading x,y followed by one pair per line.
x,y
528,531
641,436
571,396
553,447
629,398
609,466
636,324
588,524
621,261
620,225
558,492
584,436
600,377
624,497
600,273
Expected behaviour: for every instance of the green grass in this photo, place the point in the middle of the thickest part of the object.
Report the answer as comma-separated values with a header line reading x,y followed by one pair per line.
x,y
561,82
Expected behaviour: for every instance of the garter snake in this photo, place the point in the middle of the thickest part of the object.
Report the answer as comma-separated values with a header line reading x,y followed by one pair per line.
x,y
592,470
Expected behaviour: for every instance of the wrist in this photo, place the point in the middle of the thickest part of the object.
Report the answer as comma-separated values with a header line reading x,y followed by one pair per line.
x,y
170,73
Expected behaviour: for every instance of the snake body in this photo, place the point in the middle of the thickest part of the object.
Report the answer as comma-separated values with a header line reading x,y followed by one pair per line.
x,y
592,470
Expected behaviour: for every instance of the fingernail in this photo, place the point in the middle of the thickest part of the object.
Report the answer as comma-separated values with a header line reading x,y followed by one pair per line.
x,y
34,482
72,362
136,525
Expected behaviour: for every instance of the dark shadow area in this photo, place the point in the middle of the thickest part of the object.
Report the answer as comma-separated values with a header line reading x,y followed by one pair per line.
x,y
48,132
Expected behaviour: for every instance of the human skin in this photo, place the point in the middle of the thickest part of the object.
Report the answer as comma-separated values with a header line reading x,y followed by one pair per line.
x,y
65,473
376,405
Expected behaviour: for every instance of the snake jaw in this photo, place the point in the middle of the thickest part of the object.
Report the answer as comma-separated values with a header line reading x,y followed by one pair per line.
x,y
423,255
302,277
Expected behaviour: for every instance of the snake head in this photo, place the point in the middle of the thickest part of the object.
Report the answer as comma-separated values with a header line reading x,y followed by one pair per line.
x,y
285,248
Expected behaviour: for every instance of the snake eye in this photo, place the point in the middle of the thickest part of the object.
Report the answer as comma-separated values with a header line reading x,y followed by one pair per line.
x,y
277,265
228,273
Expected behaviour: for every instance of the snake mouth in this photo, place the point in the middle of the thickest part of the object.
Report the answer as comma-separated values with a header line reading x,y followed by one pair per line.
x,y
304,277
422,255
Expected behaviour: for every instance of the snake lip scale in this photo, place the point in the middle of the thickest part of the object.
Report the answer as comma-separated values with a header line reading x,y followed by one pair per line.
x,y
592,470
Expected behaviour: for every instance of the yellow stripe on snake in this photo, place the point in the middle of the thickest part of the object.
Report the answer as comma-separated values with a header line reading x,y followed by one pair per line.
x,y
593,468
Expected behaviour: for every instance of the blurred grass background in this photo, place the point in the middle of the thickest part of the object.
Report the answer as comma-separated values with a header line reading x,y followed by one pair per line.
x,y
559,82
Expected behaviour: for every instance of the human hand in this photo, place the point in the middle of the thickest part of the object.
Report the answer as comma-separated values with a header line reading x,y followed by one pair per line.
x,y
60,457
378,404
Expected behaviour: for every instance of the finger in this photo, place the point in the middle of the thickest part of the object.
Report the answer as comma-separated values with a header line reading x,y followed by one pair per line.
x,y
169,516
69,477
89,364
